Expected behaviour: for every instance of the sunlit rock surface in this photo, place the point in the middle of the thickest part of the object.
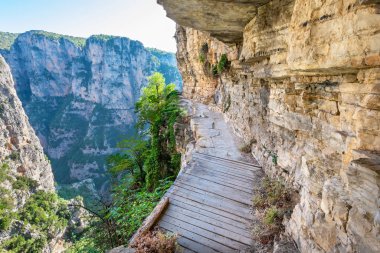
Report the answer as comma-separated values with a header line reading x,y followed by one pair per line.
x,y
304,87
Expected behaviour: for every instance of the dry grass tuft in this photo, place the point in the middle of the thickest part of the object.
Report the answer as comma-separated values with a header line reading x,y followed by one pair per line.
x,y
272,202
156,242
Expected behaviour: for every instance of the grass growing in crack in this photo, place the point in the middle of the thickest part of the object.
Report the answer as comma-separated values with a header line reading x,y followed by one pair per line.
x,y
271,214
272,202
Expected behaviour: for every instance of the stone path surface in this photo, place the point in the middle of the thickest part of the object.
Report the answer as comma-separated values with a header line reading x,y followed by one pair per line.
x,y
210,201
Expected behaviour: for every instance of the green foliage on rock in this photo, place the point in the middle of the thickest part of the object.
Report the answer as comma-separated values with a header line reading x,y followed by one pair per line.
x,y
214,70
222,64
6,206
24,183
42,217
7,39
14,156
4,170
270,215
132,206
20,244
103,37
79,42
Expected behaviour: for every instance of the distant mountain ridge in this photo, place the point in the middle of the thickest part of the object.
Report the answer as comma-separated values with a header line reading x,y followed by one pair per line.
x,y
79,94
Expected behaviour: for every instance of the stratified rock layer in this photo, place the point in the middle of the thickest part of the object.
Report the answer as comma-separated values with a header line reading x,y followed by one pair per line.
x,y
304,87
80,98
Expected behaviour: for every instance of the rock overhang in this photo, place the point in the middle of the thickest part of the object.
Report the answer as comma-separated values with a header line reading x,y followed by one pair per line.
x,y
222,19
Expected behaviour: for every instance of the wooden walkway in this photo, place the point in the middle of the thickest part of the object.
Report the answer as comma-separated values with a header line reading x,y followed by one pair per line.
x,y
210,205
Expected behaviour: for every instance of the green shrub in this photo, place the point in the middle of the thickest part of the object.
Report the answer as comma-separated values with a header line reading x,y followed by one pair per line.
x,y
6,206
214,70
14,156
4,170
19,244
222,64
45,215
274,158
202,58
271,215
45,211
24,183
7,39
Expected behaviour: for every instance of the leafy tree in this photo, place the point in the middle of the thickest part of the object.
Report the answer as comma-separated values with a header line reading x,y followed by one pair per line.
x,y
131,159
158,108
143,171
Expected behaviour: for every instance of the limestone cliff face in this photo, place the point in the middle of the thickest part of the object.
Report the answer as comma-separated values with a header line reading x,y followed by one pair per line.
x,y
19,145
21,153
80,94
304,86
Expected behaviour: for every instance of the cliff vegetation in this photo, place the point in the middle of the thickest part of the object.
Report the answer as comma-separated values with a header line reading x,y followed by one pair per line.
x,y
141,174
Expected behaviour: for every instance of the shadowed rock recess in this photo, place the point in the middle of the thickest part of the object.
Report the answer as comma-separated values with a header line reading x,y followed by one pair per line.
x,y
302,82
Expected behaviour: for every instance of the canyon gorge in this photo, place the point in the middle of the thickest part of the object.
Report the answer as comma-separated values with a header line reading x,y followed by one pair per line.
x,y
297,81
79,95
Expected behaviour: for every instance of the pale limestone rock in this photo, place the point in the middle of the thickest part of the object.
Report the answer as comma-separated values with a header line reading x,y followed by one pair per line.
x,y
18,138
305,84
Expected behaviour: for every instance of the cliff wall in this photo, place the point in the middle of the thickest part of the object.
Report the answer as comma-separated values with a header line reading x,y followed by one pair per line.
x,y
21,157
302,85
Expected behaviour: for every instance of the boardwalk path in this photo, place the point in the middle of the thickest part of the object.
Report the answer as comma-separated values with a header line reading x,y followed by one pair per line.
x,y
209,203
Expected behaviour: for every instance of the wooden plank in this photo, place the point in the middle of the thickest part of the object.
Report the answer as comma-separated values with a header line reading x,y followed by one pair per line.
x,y
220,176
215,246
224,191
208,225
210,228
217,203
229,165
226,166
253,164
222,213
187,244
194,246
190,189
184,250
150,220
205,233
222,181
208,213
225,172
214,220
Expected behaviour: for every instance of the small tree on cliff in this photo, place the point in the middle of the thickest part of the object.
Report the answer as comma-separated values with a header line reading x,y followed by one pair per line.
x,y
158,108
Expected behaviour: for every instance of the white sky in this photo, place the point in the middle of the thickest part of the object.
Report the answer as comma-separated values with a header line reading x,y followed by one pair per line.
x,y
142,20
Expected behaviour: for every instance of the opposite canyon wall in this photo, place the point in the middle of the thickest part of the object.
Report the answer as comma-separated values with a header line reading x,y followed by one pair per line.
x,y
79,95
302,85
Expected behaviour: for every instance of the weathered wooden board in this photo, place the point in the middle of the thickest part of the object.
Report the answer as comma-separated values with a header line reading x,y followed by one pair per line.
x,y
239,163
210,205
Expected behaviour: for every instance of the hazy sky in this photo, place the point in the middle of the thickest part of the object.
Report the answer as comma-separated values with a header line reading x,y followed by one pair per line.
x,y
142,20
